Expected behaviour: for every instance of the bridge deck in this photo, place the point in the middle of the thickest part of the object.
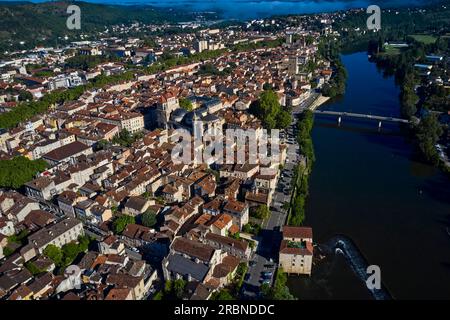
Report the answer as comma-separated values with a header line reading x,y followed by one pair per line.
x,y
360,115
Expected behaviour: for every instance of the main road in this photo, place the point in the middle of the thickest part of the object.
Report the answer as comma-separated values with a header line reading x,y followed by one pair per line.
x,y
266,255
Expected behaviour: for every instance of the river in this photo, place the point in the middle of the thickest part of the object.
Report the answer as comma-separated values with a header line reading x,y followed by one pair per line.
x,y
366,186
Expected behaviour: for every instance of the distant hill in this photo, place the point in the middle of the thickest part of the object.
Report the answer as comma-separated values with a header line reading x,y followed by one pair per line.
x,y
37,23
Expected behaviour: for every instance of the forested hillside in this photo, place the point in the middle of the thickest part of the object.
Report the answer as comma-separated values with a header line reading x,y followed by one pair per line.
x,y
45,23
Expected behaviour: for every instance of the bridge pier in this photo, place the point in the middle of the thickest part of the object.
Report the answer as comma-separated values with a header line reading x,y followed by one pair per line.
x,y
339,120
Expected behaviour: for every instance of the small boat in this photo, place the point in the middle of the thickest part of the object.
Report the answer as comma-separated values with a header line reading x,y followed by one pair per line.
x,y
448,231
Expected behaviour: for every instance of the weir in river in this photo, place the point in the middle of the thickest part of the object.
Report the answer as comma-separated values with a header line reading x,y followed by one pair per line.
x,y
345,246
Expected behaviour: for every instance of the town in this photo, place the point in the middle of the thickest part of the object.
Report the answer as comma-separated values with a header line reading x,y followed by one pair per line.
x,y
96,207
112,216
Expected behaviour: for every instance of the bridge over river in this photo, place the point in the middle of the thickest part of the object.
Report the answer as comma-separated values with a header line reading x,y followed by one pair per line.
x,y
340,115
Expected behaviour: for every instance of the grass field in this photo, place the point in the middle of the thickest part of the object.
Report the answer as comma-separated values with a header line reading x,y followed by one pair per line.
x,y
391,51
424,38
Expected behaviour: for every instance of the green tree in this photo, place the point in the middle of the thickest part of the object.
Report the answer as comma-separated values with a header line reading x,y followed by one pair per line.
x,y
298,211
83,243
267,108
25,96
121,222
185,104
261,212
33,268
222,295
70,252
178,288
309,40
247,228
267,86
408,96
283,119
54,253
252,228
168,287
123,138
305,125
15,172
7,251
158,296
148,218
101,145
19,238
428,133
279,291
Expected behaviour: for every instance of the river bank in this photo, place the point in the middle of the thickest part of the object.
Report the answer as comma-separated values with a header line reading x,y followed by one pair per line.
x,y
318,102
365,185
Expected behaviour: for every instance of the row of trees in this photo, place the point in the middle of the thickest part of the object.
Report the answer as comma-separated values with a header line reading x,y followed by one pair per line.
x,y
85,62
429,98
301,175
15,172
258,45
428,133
211,70
305,126
26,110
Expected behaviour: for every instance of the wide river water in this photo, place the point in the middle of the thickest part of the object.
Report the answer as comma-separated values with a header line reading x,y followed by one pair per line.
x,y
366,186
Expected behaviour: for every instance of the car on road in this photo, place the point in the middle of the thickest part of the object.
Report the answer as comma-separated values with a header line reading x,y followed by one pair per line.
x,y
252,263
267,274
266,281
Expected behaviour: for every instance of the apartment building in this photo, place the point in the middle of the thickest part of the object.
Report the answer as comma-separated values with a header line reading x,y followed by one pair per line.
x,y
296,250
